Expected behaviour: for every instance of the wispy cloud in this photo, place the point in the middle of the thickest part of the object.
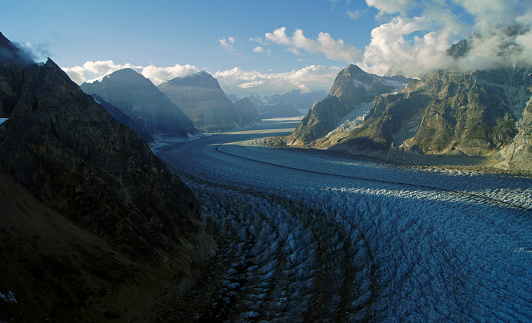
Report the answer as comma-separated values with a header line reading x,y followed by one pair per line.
x,y
353,15
324,44
227,44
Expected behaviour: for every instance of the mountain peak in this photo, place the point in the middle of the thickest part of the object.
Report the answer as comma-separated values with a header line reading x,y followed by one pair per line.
x,y
11,54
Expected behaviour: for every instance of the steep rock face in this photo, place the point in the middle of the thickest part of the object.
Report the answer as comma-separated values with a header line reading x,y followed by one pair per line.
x,y
352,88
137,97
204,102
70,154
123,118
473,114
247,110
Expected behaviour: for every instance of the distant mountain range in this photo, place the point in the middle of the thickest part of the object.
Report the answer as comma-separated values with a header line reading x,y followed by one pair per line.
x,y
137,97
94,227
204,102
291,104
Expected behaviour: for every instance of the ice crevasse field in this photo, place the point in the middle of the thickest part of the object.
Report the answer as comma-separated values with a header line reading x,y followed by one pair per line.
x,y
308,236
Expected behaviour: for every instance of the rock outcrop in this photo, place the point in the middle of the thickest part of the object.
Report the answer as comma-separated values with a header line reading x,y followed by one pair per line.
x,y
134,229
352,88
204,102
137,97
123,118
247,110
478,117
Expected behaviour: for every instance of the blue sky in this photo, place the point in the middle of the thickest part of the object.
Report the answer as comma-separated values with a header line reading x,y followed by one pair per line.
x,y
250,46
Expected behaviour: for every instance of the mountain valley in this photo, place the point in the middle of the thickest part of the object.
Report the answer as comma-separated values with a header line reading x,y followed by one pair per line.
x,y
389,199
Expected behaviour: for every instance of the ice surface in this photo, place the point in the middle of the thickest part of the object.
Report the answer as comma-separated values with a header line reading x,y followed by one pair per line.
x,y
338,239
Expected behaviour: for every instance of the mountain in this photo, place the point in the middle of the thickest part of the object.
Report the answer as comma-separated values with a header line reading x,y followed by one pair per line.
x,y
477,117
291,104
123,118
137,97
351,92
93,225
204,102
247,110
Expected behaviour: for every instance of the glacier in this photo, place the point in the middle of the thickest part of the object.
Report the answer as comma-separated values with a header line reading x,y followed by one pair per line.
x,y
305,236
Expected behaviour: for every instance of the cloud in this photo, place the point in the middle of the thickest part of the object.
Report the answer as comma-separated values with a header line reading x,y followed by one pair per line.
x,y
227,44
91,71
417,45
392,6
38,52
310,78
258,49
353,15
233,81
325,44
160,75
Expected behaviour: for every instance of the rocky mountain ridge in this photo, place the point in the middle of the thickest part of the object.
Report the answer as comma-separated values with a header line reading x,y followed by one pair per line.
x,y
137,97
352,89
96,226
204,102
479,117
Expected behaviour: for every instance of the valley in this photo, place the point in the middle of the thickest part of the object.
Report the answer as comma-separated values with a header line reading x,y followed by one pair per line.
x,y
305,236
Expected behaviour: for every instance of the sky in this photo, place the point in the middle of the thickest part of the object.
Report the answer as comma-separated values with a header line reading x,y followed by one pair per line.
x,y
264,47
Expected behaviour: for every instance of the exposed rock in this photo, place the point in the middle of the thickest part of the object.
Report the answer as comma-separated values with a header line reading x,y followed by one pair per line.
x,y
123,118
247,110
204,102
137,97
479,114
113,202
352,88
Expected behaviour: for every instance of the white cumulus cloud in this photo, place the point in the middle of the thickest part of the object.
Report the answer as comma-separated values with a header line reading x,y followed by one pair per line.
x,y
324,44
245,82
258,49
91,71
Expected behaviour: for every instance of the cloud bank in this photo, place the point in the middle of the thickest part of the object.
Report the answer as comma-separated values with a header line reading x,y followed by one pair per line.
x,y
92,71
234,81
416,44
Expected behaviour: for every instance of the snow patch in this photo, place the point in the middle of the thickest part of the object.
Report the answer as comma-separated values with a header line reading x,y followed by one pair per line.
x,y
364,85
353,120
398,85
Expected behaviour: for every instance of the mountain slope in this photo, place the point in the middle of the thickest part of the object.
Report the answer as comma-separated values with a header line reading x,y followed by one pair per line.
x,y
137,97
352,88
247,110
123,118
204,102
477,114
101,181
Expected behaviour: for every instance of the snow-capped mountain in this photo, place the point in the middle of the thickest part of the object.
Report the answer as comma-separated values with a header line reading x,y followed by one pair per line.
x,y
481,117
352,90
